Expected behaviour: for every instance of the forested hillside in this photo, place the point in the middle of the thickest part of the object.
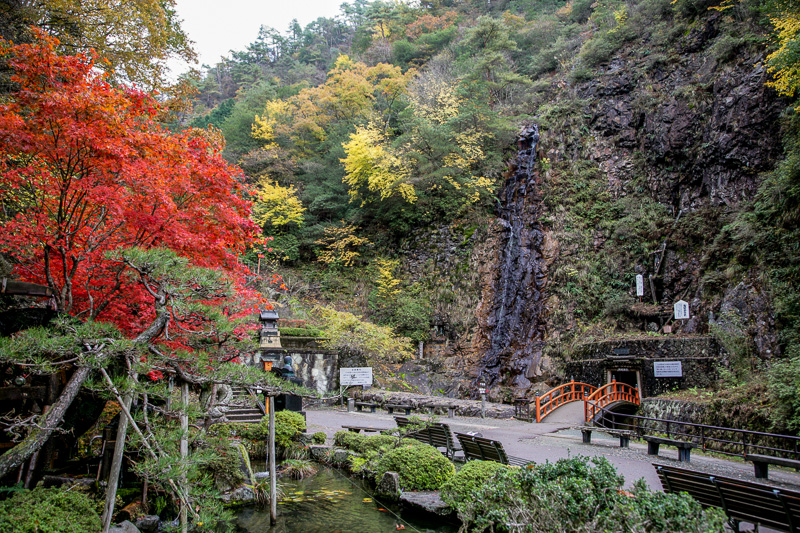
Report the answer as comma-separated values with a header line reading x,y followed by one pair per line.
x,y
382,144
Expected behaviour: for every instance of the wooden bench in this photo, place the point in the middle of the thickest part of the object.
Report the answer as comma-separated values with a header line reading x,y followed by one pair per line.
x,y
761,463
365,429
361,405
482,449
623,434
390,407
436,434
684,448
741,501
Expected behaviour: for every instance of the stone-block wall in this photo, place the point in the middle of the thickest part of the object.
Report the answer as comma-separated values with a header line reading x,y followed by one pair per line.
x,y
700,358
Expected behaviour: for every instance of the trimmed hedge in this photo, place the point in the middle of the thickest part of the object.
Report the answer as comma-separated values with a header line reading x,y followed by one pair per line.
x,y
420,467
466,482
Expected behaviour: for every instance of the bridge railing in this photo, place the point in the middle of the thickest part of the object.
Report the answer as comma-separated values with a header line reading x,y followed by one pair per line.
x,y
727,441
606,395
566,393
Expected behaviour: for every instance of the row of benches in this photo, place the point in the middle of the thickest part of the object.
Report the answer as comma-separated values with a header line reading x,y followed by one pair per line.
x,y
469,447
760,462
741,501
390,408
653,443
439,436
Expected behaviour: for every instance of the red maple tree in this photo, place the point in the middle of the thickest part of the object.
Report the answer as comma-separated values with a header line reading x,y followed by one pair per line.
x,y
85,171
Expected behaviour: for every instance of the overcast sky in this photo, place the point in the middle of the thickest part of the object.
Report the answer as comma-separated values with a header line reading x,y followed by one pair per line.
x,y
218,26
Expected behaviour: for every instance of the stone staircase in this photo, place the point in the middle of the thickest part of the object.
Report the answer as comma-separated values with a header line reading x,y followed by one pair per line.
x,y
242,408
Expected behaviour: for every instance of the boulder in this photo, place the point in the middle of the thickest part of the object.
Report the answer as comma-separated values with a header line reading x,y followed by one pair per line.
x,y
239,496
124,527
147,523
389,486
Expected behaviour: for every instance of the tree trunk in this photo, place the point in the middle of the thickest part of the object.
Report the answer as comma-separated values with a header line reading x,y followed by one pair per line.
x,y
184,448
273,487
116,465
35,440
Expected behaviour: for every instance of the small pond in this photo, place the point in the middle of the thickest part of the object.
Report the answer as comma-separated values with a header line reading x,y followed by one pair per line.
x,y
330,502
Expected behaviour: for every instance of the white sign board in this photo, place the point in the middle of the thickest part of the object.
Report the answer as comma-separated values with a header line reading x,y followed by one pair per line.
x,y
639,285
668,369
681,310
361,375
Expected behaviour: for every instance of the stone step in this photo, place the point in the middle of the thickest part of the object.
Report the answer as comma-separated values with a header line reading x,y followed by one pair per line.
x,y
245,420
244,413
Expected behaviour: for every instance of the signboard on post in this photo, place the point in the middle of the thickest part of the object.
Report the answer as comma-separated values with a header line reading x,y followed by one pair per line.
x,y
360,375
639,285
681,310
667,369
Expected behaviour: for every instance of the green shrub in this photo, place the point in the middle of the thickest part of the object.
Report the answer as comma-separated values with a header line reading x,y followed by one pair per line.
x,y
298,468
288,427
348,439
319,437
384,443
468,480
646,510
581,495
296,450
221,460
420,467
49,511
301,332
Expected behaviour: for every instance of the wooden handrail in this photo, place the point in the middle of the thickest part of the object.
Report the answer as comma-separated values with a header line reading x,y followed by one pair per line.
x,y
555,398
608,394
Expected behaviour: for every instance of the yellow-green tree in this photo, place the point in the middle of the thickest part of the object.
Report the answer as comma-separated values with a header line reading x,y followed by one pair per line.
x,y
340,246
353,93
372,170
134,38
784,62
276,206
351,333
386,285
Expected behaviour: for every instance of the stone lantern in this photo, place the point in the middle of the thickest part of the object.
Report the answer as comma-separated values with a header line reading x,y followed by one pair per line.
x,y
270,336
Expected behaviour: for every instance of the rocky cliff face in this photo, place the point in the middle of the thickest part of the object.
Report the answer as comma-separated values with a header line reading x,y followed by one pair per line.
x,y
510,317
684,131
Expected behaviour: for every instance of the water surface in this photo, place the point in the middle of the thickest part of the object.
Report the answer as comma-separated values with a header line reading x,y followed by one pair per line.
x,y
330,502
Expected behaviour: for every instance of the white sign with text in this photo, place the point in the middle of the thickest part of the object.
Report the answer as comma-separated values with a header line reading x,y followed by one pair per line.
x,y
639,285
360,375
668,369
681,310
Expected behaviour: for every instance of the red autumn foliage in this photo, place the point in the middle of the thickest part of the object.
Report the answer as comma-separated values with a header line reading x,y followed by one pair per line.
x,y
85,170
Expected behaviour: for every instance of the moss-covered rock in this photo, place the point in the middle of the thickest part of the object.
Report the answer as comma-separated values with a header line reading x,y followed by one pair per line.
x,y
49,511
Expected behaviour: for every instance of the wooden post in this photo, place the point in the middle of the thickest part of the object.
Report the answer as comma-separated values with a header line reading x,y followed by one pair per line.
x,y
184,448
273,487
116,464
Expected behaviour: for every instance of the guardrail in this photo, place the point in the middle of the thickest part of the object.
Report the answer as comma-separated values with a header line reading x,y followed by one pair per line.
x,y
566,393
727,441
606,395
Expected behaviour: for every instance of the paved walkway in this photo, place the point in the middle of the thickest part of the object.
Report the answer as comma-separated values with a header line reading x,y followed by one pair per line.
x,y
553,439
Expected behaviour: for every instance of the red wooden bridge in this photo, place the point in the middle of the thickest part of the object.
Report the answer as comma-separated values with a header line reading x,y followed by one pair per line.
x,y
594,399
606,395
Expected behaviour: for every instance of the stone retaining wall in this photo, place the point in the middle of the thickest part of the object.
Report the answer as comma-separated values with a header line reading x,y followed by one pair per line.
x,y
435,404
